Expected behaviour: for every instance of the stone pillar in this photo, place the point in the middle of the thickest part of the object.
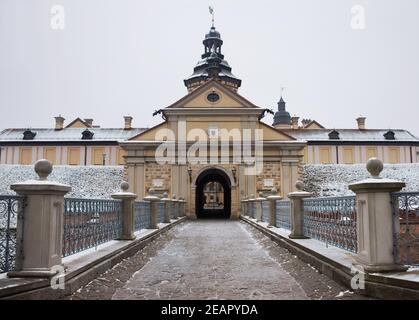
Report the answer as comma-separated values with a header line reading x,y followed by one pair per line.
x,y
244,207
43,224
272,207
259,209
297,211
153,210
166,202
375,221
128,218
175,207
251,202
182,205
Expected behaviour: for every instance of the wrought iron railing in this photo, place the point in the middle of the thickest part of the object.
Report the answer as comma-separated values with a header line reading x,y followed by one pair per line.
x,y
11,210
160,212
90,222
265,211
283,213
331,220
406,231
142,213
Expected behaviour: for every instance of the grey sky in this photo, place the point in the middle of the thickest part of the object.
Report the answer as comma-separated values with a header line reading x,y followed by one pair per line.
x,y
120,57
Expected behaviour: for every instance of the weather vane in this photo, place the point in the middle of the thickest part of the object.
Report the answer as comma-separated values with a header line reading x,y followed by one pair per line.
x,y
211,10
282,90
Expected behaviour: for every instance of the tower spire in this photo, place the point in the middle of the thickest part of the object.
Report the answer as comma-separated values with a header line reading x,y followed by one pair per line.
x,y
211,11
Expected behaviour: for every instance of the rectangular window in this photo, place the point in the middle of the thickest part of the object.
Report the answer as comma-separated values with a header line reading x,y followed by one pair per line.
x,y
348,155
26,156
394,155
371,153
325,156
98,156
50,154
74,156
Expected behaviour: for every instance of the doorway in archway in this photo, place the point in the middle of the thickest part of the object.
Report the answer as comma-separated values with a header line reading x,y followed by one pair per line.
x,y
213,195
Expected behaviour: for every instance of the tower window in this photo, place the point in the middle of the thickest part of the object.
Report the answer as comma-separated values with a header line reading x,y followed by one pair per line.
x,y
213,97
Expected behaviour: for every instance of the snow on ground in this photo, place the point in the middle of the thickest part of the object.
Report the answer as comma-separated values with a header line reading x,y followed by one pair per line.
x,y
332,180
86,182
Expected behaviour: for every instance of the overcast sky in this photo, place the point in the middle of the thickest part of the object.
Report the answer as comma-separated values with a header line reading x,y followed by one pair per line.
x,y
117,57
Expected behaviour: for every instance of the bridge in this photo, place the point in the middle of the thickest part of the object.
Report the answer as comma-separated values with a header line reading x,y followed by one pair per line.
x,y
302,247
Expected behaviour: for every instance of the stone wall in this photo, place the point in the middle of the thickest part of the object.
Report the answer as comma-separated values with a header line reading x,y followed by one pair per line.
x,y
271,170
333,180
155,171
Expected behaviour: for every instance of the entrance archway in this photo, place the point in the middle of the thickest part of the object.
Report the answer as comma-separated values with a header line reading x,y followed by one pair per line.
x,y
213,195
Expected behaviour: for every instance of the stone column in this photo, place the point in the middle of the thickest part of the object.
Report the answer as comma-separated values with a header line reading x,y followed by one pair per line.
x,y
153,210
175,207
244,207
182,204
297,211
259,209
43,224
272,207
375,221
128,218
166,202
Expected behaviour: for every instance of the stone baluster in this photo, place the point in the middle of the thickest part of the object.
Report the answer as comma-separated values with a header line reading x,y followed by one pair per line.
x,y
128,215
166,201
375,225
43,223
297,211
272,207
153,210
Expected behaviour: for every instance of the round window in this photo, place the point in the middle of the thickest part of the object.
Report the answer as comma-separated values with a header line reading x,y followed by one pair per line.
x,y
213,97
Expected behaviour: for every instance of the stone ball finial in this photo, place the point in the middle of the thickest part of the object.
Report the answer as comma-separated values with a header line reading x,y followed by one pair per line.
x,y
252,196
274,190
124,186
165,195
174,196
43,168
374,167
261,194
299,185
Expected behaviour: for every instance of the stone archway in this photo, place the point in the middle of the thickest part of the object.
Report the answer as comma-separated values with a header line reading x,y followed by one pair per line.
x,y
213,194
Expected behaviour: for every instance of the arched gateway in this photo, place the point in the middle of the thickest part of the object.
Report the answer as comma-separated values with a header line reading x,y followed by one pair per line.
x,y
213,194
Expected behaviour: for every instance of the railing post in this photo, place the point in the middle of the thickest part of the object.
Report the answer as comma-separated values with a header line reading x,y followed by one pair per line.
x,y
175,207
244,207
42,232
272,207
153,210
182,205
375,221
166,202
128,216
251,208
297,211
259,208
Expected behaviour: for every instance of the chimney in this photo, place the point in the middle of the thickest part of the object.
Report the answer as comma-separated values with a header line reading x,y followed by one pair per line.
x,y
361,123
59,123
128,122
294,122
89,122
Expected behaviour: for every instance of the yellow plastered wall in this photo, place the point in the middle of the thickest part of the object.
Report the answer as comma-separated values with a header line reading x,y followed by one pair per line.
x,y
371,152
97,157
78,124
121,154
348,155
73,158
25,156
50,154
325,156
394,155
201,101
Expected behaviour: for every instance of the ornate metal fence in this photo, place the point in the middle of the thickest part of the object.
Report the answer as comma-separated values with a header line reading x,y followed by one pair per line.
x,y
160,212
90,222
406,237
283,213
11,210
331,220
142,212
265,211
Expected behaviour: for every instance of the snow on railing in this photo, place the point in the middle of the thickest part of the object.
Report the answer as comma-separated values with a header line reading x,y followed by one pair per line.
x,y
11,210
90,222
406,232
331,220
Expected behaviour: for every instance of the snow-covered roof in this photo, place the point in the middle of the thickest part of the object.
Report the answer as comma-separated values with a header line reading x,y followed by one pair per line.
x,y
351,135
70,134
